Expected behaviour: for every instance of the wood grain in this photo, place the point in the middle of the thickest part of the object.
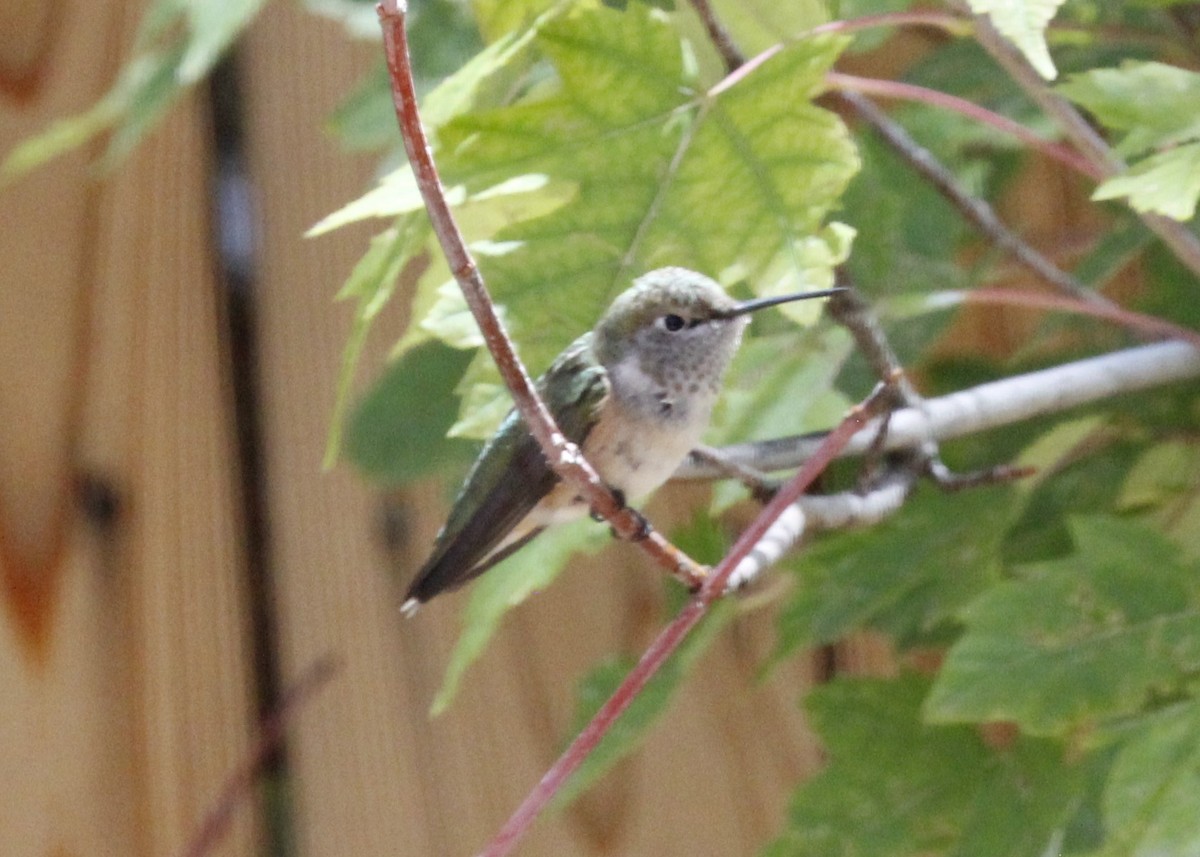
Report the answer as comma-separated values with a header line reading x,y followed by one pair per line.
x,y
127,682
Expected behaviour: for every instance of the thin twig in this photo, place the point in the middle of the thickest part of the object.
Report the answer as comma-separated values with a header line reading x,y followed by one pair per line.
x,y
1183,243
974,210
1145,325
760,486
670,638
731,55
561,454
239,783
851,311
896,89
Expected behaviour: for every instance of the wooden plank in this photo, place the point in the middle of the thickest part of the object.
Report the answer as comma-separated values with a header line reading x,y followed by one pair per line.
x,y
373,775
127,678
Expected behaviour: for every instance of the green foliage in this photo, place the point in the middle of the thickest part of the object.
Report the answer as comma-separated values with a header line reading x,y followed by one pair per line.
x,y
397,433
908,577
1024,23
1150,801
633,726
897,786
177,45
371,285
1157,107
665,173
1093,635
530,569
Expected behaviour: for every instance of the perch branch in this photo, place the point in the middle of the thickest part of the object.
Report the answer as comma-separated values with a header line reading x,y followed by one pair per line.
x,y
673,634
985,407
563,456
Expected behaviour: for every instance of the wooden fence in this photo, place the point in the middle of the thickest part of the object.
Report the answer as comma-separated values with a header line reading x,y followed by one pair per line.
x,y
128,663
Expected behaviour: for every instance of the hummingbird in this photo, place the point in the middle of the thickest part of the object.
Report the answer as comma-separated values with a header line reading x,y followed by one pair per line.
x,y
635,394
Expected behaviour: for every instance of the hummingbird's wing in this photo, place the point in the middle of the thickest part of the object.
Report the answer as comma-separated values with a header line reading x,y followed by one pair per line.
x,y
510,476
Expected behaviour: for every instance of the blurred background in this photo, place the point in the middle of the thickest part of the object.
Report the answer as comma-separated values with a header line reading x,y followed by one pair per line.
x,y
173,559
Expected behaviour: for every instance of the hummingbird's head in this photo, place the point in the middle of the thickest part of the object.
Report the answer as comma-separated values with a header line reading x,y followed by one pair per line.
x,y
671,335
672,319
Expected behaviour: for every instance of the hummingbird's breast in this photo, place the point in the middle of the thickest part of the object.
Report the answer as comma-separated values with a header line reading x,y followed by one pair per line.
x,y
646,427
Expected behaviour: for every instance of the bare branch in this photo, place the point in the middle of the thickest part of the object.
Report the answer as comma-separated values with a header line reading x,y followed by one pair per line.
x,y
673,634
895,89
974,210
562,455
988,406
1183,243
722,41
1140,323
824,512
216,822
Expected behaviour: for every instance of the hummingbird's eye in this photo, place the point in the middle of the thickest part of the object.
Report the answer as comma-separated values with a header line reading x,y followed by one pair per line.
x,y
673,322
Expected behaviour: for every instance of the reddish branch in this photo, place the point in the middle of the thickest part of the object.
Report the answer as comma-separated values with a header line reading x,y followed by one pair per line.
x,y
219,817
1182,241
911,92
563,455
671,636
1147,325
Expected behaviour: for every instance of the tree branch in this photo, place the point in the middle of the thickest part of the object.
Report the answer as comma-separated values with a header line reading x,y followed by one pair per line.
x,y
731,55
271,733
825,512
974,210
1183,243
562,455
847,83
674,633
988,406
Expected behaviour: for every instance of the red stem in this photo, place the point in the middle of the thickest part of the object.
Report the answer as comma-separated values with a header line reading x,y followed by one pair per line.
x,y
671,636
947,21
239,784
911,92
562,455
1119,315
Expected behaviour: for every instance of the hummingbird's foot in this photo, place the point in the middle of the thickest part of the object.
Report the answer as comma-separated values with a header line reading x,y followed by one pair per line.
x,y
643,526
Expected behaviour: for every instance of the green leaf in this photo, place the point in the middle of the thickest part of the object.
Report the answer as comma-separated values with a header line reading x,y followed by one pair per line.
x,y
1164,487
371,284
497,18
212,28
1166,183
365,121
1086,481
908,577
397,433
896,787
1150,799
666,173
1158,108
1024,23
530,569
178,43
1078,640
634,725
1156,105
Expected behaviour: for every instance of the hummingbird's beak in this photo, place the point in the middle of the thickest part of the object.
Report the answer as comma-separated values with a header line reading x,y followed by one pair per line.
x,y
762,303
